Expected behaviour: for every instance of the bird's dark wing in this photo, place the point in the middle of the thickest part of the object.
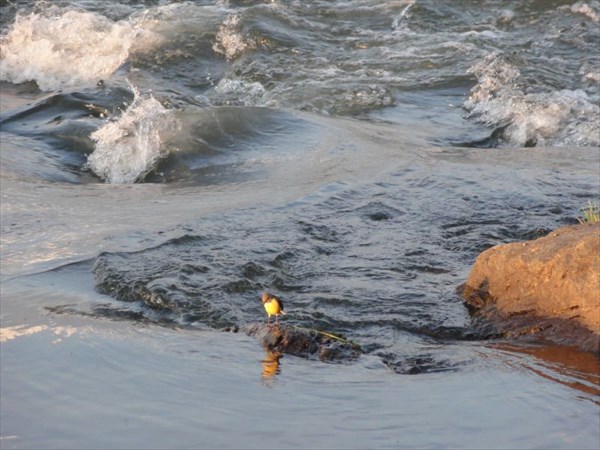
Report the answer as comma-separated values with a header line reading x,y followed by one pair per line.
x,y
280,303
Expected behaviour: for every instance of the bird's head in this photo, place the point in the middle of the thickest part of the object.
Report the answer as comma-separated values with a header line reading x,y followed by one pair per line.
x,y
266,297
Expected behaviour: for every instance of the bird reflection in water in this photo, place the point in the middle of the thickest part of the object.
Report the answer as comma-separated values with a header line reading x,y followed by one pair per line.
x,y
270,365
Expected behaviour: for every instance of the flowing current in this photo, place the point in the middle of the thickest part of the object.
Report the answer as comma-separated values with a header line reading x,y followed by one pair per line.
x,y
163,163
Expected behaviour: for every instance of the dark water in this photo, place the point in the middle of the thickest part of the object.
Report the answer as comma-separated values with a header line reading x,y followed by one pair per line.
x,y
382,268
164,162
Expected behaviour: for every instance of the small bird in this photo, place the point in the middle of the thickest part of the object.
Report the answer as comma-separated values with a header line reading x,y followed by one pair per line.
x,y
273,306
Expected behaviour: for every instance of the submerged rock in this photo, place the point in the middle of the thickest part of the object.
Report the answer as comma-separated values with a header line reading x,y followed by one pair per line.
x,y
303,342
549,287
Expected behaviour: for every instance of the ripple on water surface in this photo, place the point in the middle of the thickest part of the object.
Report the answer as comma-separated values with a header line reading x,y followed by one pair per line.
x,y
378,263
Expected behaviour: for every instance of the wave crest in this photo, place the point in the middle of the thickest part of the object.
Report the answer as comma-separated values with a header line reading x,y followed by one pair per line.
x,y
556,118
229,40
58,48
131,147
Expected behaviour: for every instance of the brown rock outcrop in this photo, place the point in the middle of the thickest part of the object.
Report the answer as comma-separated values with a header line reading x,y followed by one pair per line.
x,y
549,286
303,342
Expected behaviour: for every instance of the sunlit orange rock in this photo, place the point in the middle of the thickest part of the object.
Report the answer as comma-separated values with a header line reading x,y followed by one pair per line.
x,y
549,286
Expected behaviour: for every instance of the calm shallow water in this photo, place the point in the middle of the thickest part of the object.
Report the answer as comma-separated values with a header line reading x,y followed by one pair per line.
x,y
163,163
80,381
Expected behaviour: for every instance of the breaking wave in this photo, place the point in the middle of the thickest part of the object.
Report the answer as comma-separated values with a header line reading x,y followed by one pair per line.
x,y
501,98
230,41
58,48
130,148
586,10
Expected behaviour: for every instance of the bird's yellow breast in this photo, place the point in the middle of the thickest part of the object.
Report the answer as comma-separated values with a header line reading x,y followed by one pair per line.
x,y
272,307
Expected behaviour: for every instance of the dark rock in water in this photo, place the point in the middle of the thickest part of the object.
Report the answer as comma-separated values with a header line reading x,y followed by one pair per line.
x,y
548,287
303,342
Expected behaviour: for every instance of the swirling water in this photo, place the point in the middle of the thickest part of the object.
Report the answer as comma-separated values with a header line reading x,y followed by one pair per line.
x,y
165,162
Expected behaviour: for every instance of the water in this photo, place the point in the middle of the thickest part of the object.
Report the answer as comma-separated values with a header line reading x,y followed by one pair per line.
x,y
165,162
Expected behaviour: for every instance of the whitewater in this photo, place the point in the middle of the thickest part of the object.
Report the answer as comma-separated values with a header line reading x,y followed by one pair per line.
x,y
164,163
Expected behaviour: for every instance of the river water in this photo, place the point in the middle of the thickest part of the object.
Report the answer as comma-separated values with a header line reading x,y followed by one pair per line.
x,y
165,162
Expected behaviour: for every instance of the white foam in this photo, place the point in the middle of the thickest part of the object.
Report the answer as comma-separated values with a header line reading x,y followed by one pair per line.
x,y
505,17
592,76
556,118
587,10
60,47
229,40
400,20
131,147
247,93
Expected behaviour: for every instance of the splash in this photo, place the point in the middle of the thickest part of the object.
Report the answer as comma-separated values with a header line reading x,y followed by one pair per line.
x,y
556,118
400,20
587,10
240,92
229,40
59,48
130,148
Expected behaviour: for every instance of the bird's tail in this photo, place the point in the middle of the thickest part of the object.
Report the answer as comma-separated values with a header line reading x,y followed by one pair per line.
x,y
282,312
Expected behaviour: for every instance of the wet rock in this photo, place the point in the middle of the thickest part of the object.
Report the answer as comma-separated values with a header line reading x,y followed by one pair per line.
x,y
304,343
548,287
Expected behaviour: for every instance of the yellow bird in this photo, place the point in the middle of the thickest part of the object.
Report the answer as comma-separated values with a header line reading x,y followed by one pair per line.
x,y
273,306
